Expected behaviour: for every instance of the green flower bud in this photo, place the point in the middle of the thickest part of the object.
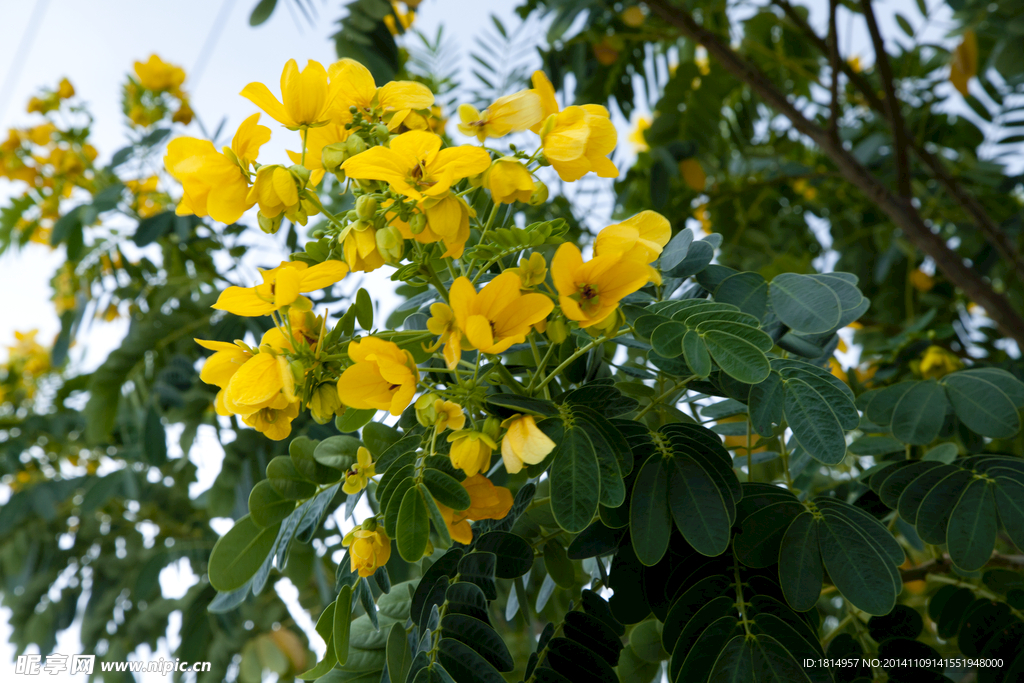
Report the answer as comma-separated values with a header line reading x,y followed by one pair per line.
x,y
390,244
270,225
492,427
355,145
352,216
558,330
417,223
381,132
367,185
333,156
540,193
366,207
426,414
301,174
324,404
370,524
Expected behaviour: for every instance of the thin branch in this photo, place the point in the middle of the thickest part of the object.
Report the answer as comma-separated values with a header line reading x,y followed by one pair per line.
x,y
892,105
944,565
900,211
968,203
833,58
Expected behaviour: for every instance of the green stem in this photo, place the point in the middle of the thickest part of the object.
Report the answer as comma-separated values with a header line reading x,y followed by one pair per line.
x,y
657,401
554,373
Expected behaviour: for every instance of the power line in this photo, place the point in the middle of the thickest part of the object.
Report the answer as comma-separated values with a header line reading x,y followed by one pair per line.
x,y
24,46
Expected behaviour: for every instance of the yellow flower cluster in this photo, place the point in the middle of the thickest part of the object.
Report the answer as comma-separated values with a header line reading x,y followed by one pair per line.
x,y
155,92
27,363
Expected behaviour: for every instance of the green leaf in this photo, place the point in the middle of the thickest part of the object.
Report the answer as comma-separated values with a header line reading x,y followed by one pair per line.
x,y
324,627
154,438
981,405
696,354
676,249
944,453
971,533
399,656
575,481
352,420
464,664
558,565
287,481
444,536
920,413
302,450
1009,496
153,228
239,553
413,525
650,520
446,490
342,623
338,452
378,437
748,333
882,402
737,357
800,570
697,506
814,424
804,304
765,404
904,24
514,556
914,494
364,309
613,488
479,636
855,567
512,403
697,259
266,506
746,291
667,339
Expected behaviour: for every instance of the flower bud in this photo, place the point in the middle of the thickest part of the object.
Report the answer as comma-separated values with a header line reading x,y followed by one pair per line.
x,y
270,225
540,193
558,330
390,244
492,427
549,125
352,216
366,207
301,173
426,412
609,326
367,185
417,223
324,403
333,156
369,524
355,145
381,132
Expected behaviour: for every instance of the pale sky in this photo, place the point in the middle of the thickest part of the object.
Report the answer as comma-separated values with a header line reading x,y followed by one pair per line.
x,y
94,44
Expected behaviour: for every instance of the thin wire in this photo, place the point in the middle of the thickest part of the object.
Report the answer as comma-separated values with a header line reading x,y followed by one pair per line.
x,y
210,44
20,54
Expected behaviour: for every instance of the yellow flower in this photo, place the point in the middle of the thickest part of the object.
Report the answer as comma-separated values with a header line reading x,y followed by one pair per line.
x,y
523,443
273,423
65,90
449,416
442,323
368,550
148,200
518,111
589,292
576,140
316,139
383,377
156,74
963,64
487,501
636,138
499,316
360,247
277,188
307,96
694,176
639,238
921,281
937,362
531,271
508,181
471,451
224,363
281,287
391,102
216,184
362,470
702,215
633,17
405,20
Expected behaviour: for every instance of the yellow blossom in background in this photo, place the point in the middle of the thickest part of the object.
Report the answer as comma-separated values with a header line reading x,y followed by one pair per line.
x,y
590,291
368,550
281,286
449,416
693,174
405,20
963,64
487,501
306,96
936,362
633,16
471,451
921,281
531,271
518,111
156,74
523,443
499,316
383,377
605,52
702,215
216,184
360,473
148,200
577,140
855,64
508,181
636,137
392,102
